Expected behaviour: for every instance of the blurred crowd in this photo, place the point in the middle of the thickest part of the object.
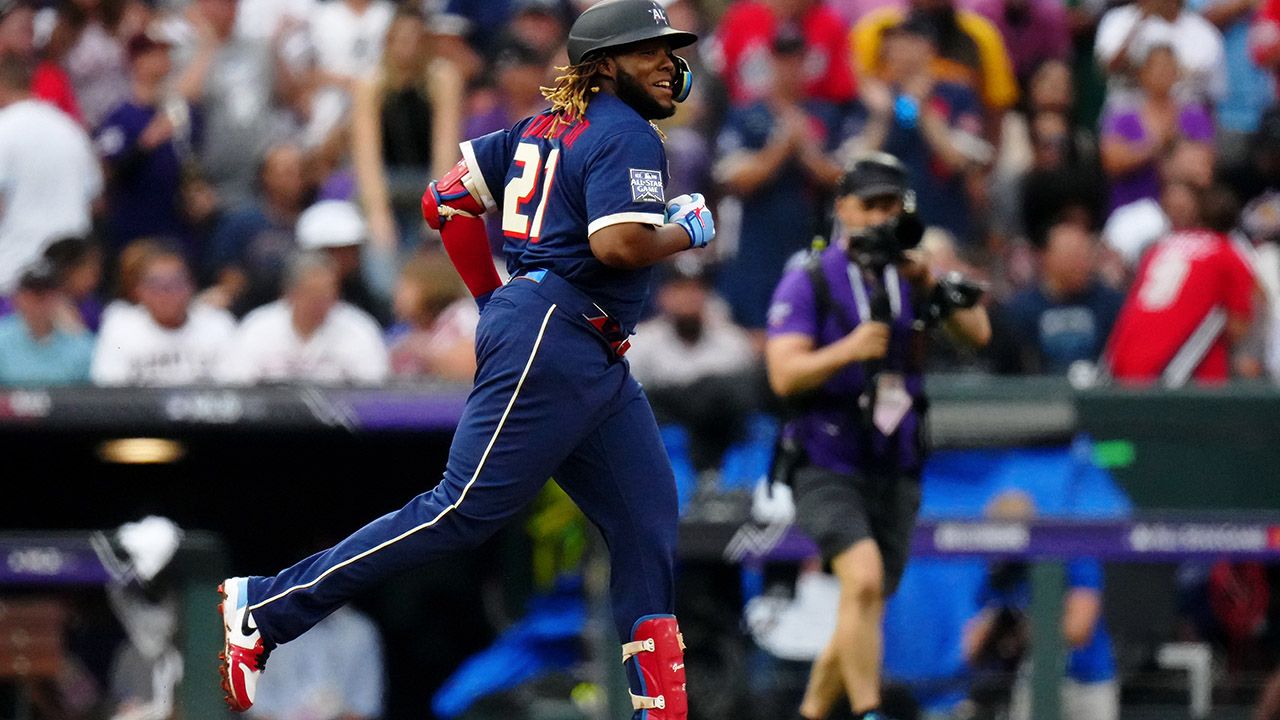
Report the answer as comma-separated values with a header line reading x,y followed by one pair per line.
x,y
226,191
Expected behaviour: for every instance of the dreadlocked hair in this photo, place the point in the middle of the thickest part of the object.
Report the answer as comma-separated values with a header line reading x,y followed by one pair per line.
x,y
572,92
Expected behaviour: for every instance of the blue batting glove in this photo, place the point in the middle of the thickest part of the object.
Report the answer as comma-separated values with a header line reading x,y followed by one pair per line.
x,y
691,213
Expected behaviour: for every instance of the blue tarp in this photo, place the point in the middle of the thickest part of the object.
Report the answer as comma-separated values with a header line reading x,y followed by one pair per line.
x,y
923,626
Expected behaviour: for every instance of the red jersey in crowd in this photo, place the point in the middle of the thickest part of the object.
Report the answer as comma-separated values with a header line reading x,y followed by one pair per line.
x,y
1173,323
743,42
50,83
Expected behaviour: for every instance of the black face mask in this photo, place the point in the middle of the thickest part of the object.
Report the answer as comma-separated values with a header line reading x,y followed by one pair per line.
x,y
631,92
688,328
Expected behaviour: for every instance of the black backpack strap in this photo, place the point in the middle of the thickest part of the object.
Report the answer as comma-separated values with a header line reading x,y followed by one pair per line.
x,y
823,303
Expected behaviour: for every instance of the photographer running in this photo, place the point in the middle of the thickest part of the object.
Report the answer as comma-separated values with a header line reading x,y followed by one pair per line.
x,y
845,349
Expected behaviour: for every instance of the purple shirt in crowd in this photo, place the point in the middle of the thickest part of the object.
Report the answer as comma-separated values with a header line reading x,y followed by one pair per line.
x,y
144,194
1194,124
830,429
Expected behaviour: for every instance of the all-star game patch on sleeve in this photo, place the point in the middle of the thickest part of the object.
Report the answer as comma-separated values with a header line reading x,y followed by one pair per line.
x,y
626,182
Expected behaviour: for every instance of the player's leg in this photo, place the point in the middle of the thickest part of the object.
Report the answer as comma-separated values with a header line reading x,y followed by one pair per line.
x,y
502,453
621,478
833,511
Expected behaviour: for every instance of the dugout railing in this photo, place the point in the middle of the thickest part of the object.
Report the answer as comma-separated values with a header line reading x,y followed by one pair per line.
x,y
1190,449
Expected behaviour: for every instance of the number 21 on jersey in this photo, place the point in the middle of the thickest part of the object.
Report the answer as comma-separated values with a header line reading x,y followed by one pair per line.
x,y
521,188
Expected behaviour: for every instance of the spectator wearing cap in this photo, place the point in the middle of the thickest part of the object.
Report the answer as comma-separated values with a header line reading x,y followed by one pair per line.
x,y
696,365
309,335
165,339
744,42
336,228
49,176
1127,32
968,50
145,144
34,349
406,125
435,333
921,119
773,159
1157,129
1066,317
248,248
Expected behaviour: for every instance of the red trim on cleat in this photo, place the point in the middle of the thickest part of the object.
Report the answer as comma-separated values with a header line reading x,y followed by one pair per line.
x,y
243,654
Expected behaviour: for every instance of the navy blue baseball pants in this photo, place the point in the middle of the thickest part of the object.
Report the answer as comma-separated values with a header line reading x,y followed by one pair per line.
x,y
551,399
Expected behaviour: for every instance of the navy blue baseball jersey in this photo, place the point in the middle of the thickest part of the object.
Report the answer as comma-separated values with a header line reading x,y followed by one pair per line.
x,y
553,192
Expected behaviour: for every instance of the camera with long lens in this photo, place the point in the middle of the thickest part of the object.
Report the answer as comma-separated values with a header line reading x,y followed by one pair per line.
x,y
887,243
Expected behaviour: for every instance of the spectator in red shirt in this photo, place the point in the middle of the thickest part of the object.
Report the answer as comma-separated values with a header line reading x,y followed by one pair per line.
x,y
1192,300
49,81
742,48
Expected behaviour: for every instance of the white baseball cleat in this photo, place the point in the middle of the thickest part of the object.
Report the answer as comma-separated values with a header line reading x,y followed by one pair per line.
x,y
244,654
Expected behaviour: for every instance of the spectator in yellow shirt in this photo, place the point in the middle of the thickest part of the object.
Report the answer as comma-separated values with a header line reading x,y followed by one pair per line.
x,y
970,50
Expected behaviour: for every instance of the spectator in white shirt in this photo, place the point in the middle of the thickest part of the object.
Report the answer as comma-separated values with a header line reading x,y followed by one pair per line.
x,y
1126,33
698,367
308,335
346,41
166,339
49,173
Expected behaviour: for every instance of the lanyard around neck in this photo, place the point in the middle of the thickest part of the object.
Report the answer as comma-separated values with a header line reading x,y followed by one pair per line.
x,y
892,286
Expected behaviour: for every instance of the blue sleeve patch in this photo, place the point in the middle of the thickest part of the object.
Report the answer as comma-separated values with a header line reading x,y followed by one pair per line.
x,y
646,186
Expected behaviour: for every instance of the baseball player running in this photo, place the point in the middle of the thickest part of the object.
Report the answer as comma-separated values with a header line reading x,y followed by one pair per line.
x,y
580,190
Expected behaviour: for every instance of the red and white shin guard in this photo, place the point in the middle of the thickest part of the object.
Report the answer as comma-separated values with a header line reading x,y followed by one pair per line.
x,y
657,649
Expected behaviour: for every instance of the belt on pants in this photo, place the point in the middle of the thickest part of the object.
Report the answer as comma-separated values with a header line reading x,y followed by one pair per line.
x,y
564,293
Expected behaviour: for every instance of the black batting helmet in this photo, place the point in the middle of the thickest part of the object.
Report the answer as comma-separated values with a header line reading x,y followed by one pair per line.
x,y
614,23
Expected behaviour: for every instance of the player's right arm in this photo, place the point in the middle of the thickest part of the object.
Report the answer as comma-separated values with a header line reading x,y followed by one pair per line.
x,y
453,205
630,246
629,226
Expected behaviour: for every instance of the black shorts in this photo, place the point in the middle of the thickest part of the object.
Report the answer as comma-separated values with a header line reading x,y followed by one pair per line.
x,y
839,510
